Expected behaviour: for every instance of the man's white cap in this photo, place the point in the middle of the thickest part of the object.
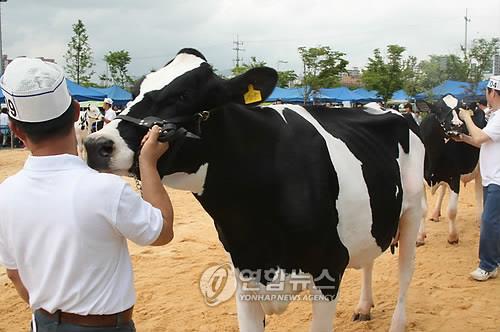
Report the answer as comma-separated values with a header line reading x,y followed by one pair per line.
x,y
108,101
34,90
494,82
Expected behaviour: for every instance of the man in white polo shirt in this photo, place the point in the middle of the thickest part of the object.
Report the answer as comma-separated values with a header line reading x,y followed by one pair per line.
x,y
488,139
64,250
109,113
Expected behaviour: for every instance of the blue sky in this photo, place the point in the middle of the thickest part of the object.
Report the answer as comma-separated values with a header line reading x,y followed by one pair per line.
x,y
153,31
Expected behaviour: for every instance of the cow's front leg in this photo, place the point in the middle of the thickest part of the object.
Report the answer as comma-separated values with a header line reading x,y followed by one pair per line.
x,y
452,218
323,312
251,317
362,312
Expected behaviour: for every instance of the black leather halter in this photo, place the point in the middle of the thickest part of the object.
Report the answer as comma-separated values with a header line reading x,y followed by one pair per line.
x,y
170,129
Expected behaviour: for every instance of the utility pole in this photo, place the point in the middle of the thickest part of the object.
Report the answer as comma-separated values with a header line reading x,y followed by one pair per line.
x,y
467,20
1,51
238,49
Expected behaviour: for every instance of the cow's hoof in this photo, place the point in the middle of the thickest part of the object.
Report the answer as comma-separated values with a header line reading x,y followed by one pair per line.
x,y
359,317
435,219
421,239
455,241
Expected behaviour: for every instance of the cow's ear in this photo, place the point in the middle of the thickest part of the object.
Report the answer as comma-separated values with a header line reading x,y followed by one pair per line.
x,y
252,87
423,106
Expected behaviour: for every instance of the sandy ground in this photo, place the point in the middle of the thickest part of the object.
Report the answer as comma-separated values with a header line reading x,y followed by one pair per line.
x,y
441,296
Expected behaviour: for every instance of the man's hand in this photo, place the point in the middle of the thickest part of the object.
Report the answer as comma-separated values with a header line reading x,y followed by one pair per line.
x,y
459,138
465,114
152,149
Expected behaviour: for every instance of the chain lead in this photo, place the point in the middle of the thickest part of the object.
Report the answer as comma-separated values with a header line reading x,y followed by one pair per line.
x,y
138,184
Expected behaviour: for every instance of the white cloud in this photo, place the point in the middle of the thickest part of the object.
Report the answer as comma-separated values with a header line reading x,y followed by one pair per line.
x,y
153,31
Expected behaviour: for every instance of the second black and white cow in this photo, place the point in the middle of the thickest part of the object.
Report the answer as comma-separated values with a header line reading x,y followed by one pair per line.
x,y
447,162
291,190
83,127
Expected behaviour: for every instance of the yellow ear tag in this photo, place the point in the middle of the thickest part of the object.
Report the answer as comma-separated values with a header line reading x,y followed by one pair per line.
x,y
252,96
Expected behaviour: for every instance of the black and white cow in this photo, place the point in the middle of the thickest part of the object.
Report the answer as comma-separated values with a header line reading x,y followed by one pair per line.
x,y
311,191
83,126
447,162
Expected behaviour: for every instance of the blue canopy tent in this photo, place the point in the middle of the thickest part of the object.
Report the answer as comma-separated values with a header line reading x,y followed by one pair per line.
x,y
120,96
81,93
292,95
461,90
365,96
278,93
340,94
399,96
2,98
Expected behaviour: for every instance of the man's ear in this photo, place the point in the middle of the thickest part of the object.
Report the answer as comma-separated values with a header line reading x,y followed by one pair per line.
x,y
17,132
76,107
252,87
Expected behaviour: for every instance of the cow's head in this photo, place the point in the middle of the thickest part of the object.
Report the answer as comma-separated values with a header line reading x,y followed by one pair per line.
x,y
94,113
177,94
445,111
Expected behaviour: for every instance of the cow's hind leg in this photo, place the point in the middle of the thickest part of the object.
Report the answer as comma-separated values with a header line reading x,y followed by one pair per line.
x,y
436,213
408,228
362,311
422,234
323,312
251,317
452,218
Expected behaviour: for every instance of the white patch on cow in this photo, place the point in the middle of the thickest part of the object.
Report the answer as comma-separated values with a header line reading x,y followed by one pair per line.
x,y
456,120
193,182
162,77
353,203
376,109
450,101
122,158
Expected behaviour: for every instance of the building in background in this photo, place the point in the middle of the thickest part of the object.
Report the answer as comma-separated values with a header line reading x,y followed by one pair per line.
x,y
351,78
496,64
6,60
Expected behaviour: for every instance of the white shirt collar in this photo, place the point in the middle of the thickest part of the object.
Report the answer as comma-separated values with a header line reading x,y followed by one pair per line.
x,y
54,163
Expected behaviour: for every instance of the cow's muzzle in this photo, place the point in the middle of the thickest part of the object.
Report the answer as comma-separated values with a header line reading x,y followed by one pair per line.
x,y
99,152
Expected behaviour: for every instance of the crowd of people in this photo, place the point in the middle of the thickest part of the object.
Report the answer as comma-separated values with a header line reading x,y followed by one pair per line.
x,y
71,264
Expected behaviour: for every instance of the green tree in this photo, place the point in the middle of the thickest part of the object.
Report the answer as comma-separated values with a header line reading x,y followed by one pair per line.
x,y
285,78
322,66
78,57
117,64
387,76
480,58
411,76
440,68
254,63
